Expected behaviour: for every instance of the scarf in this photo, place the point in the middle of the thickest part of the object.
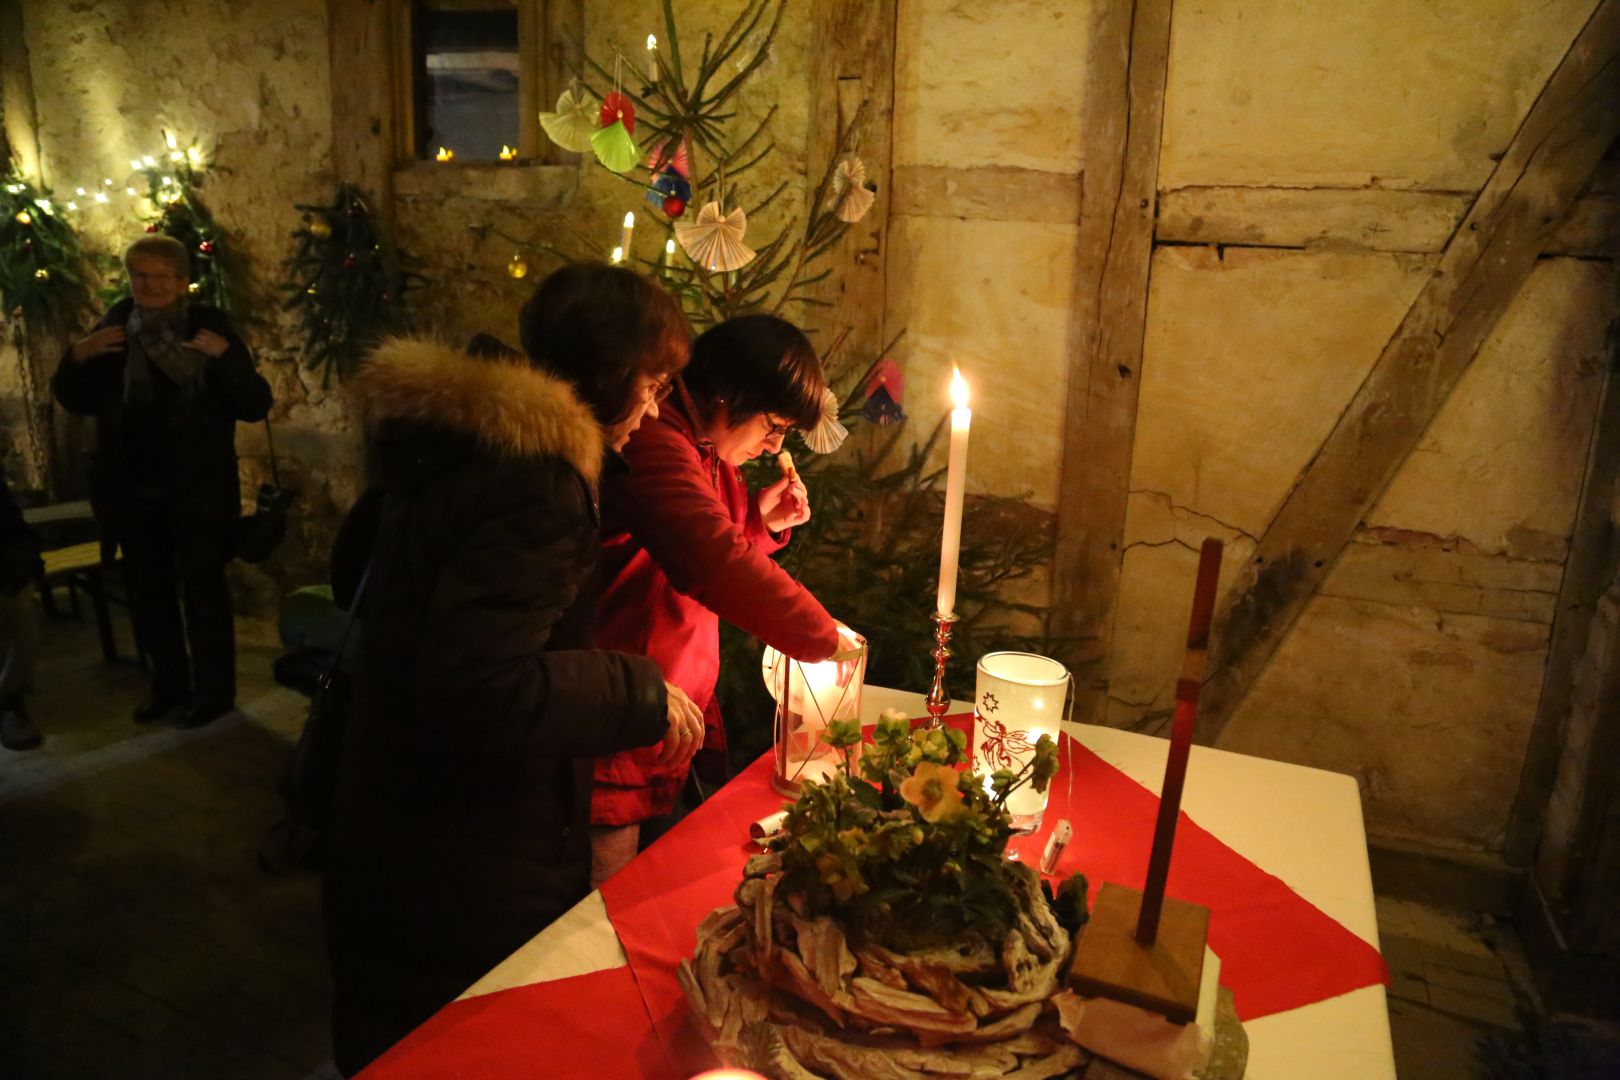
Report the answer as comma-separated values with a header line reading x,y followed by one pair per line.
x,y
156,339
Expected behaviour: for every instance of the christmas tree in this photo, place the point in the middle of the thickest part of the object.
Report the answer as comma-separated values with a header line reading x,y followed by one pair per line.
x,y
870,551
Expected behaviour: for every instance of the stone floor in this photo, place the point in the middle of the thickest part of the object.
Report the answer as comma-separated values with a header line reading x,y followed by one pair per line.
x,y
140,938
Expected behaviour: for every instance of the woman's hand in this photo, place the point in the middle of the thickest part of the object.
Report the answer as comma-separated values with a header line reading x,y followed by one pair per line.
x,y
100,343
684,737
209,344
784,504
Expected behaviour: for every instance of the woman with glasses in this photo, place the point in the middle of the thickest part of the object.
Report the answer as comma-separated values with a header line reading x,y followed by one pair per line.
x,y
686,544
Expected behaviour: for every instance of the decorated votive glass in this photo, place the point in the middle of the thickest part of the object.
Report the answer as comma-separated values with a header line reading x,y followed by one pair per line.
x,y
1017,698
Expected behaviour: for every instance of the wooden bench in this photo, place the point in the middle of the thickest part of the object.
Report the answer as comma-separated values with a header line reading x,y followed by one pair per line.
x,y
84,566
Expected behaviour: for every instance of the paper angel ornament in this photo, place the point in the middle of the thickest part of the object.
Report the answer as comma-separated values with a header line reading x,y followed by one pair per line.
x,y
671,155
574,122
715,240
852,197
828,434
883,389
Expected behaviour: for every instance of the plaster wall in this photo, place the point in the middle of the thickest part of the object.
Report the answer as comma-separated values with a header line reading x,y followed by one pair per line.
x,y
1436,623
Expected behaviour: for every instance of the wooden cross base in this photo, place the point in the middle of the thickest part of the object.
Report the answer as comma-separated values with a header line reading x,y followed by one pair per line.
x,y
1163,976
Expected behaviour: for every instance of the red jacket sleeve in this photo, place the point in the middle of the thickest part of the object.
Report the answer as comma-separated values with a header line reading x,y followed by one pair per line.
x,y
675,513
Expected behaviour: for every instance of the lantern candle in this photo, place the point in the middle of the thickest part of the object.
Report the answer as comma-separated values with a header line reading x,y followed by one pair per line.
x,y
955,480
652,58
628,230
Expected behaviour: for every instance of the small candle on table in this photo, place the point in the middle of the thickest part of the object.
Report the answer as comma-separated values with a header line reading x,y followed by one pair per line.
x,y
955,480
652,58
628,231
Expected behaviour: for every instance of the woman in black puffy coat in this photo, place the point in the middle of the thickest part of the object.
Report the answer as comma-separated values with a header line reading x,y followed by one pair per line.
x,y
460,827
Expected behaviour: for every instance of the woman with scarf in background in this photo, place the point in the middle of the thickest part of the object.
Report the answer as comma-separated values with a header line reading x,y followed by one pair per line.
x,y
167,381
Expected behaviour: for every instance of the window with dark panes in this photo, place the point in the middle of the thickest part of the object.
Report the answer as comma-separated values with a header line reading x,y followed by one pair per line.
x,y
466,79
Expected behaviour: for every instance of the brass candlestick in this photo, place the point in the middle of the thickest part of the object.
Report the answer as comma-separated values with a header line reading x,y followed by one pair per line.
x,y
938,701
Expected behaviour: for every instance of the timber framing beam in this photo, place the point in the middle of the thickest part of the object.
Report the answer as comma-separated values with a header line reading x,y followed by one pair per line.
x,y
1549,161
1121,124
361,38
852,71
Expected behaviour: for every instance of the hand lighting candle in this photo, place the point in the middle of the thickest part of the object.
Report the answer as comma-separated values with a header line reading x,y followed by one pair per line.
x,y
955,480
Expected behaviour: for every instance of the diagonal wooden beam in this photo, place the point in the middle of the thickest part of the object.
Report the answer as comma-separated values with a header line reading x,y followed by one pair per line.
x,y
1493,250
1121,122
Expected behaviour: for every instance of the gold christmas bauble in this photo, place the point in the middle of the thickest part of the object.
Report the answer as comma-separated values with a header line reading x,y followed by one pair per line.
x,y
42,274
24,217
320,229
518,268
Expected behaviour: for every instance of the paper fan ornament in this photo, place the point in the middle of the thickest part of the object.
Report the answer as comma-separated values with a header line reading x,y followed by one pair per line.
x,y
883,389
574,122
671,155
617,107
715,240
828,434
853,197
615,149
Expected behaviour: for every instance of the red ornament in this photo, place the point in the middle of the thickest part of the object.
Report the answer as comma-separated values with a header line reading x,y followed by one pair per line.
x,y
206,247
350,262
151,228
617,106
674,206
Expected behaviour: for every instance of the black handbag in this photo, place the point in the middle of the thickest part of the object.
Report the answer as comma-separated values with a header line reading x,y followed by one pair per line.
x,y
259,534
308,785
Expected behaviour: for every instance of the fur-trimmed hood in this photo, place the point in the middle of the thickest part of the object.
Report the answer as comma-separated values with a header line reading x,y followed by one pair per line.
x,y
509,407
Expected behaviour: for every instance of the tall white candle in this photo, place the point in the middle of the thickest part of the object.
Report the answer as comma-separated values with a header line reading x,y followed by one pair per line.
x,y
652,58
955,479
628,230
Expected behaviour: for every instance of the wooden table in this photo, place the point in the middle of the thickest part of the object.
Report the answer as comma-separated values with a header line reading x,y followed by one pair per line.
x,y
1303,825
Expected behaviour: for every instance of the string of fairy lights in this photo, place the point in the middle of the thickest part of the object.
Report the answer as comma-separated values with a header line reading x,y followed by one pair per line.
x,y
162,186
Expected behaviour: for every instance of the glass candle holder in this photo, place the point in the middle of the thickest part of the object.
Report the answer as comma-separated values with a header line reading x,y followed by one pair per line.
x,y
808,698
1017,698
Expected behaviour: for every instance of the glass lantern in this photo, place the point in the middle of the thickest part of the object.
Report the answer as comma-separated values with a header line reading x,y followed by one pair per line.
x,y
1017,698
808,698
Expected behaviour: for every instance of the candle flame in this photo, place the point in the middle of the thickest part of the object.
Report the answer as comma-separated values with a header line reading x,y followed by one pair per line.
x,y
444,155
507,153
652,41
669,246
617,256
959,389
629,219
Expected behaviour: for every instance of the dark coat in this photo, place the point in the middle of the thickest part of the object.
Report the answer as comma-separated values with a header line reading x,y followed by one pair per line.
x,y
464,790
198,467
683,546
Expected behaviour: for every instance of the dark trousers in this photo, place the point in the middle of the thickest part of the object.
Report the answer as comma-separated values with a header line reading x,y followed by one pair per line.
x,y
174,565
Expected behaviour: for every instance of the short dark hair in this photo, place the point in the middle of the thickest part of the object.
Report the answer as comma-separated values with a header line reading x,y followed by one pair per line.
x,y
601,326
757,364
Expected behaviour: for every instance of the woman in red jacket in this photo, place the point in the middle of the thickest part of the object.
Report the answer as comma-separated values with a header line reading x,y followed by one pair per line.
x,y
685,544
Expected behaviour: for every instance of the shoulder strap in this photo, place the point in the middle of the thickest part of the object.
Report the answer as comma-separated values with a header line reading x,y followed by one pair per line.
x,y
348,625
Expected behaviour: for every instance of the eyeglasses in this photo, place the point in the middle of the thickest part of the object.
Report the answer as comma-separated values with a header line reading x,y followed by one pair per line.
x,y
775,430
661,388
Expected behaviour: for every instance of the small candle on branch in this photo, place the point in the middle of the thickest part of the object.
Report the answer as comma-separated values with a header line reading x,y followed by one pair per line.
x,y
652,58
955,482
626,232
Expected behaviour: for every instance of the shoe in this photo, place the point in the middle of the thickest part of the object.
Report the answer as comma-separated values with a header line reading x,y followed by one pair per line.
x,y
158,706
202,715
17,731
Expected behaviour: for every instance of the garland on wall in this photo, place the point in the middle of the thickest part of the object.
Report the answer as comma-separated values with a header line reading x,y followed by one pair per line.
x,y
42,287
345,282
41,262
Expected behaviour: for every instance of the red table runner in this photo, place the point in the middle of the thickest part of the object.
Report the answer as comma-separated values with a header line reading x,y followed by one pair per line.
x,y
1277,950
